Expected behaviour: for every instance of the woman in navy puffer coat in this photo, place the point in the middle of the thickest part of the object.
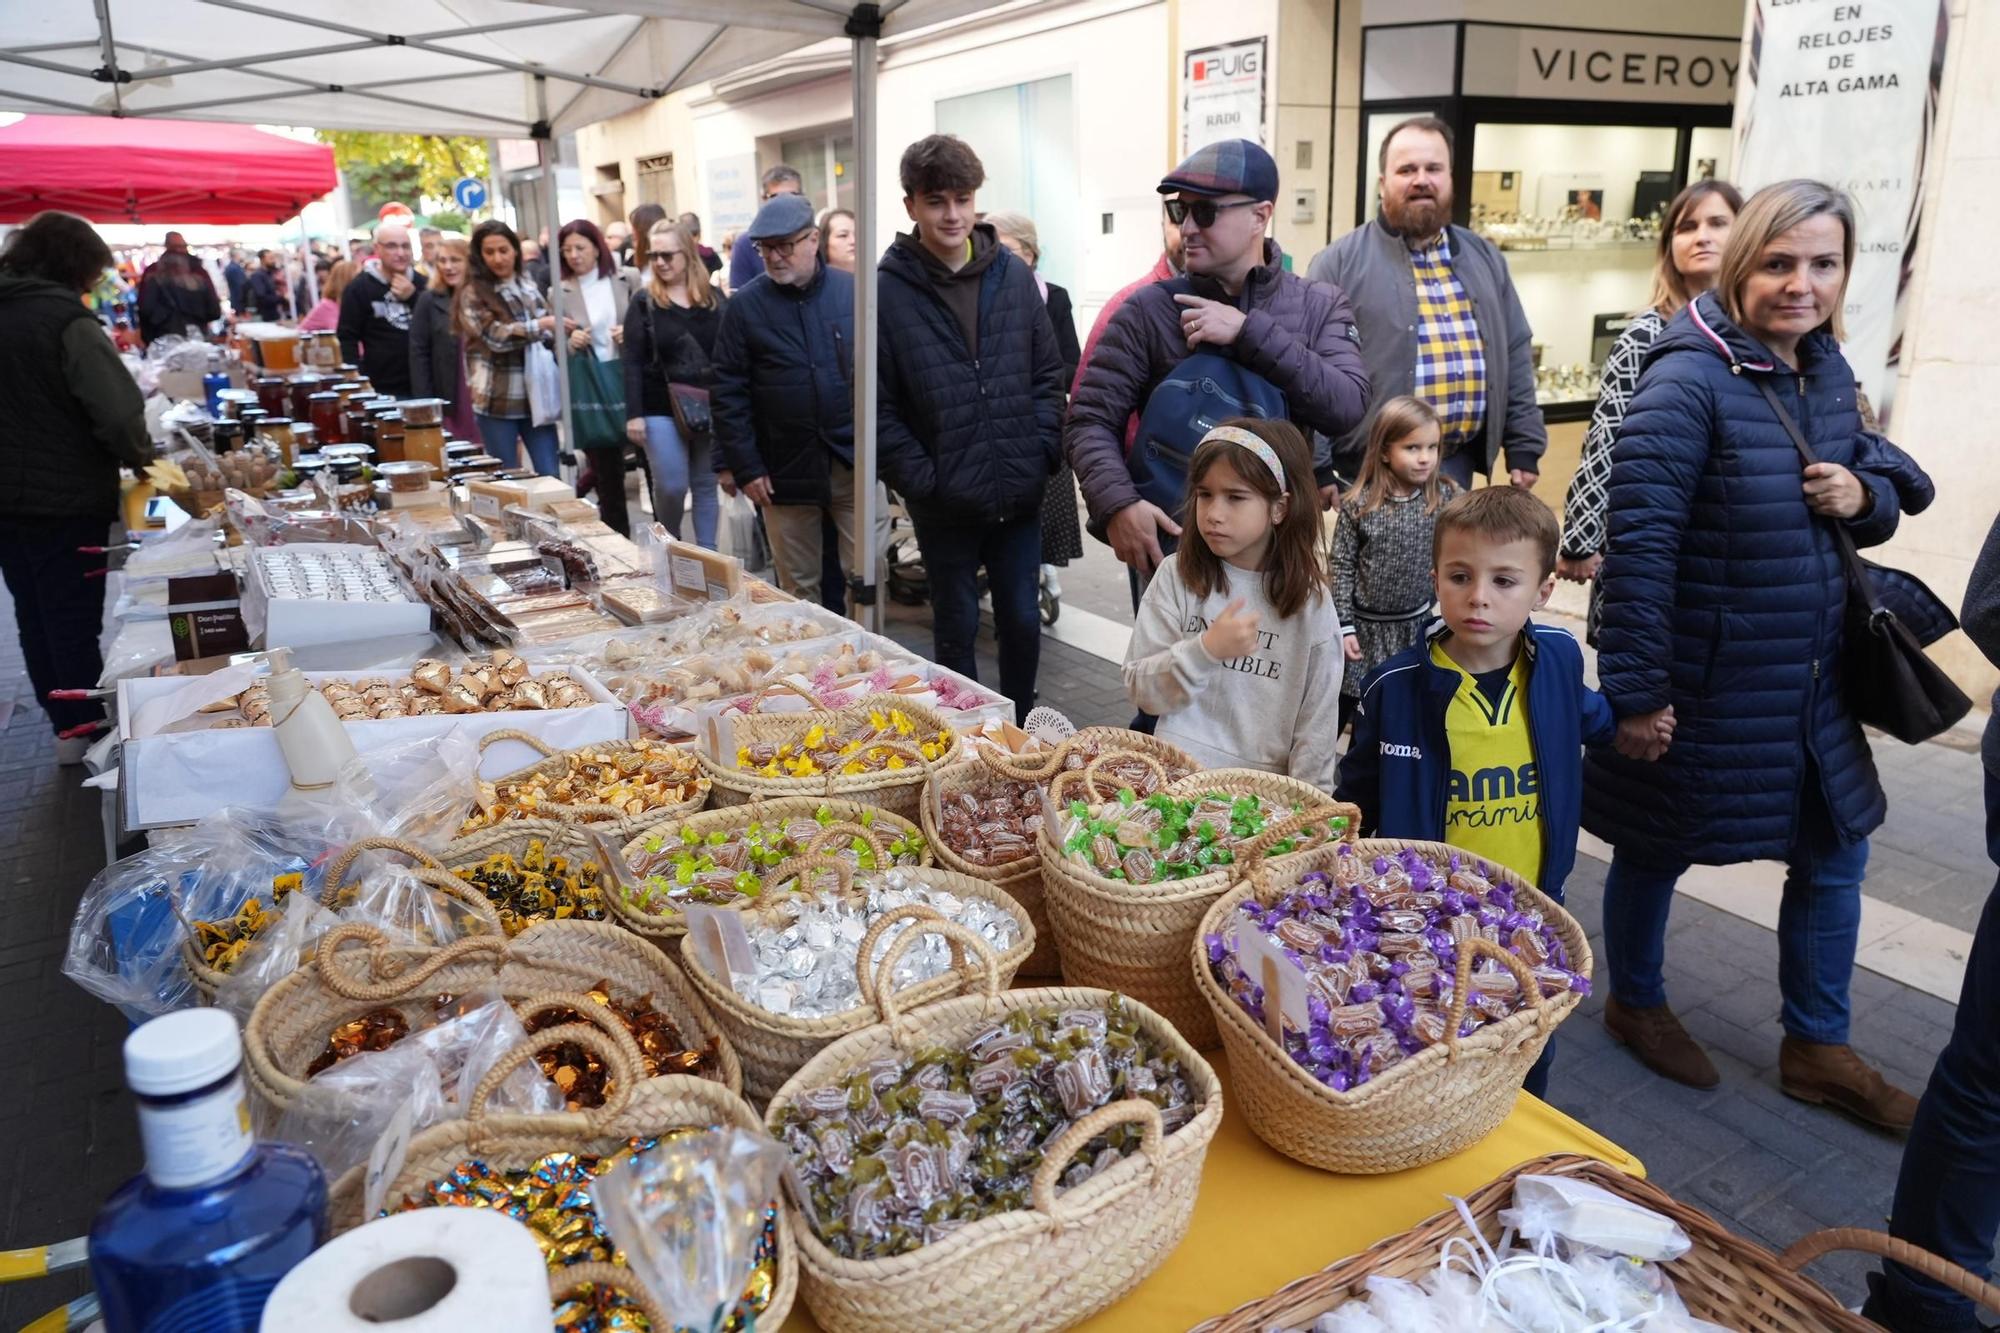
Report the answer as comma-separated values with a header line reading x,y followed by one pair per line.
x,y
1723,600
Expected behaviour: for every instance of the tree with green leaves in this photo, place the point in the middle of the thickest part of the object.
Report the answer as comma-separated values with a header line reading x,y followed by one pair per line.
x,y
381,168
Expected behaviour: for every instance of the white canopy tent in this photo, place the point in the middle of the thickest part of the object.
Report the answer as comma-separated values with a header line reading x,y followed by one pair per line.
x,y
486,68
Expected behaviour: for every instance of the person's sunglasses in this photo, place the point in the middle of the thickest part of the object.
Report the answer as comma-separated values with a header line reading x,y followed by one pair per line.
x,y
662,256
781,249
1203,211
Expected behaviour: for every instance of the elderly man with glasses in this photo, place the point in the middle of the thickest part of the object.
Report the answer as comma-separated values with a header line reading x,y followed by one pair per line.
x,y
783,401
1234,299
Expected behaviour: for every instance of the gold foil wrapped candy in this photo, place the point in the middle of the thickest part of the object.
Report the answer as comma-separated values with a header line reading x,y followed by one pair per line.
x,y
537,887
224,941
646,776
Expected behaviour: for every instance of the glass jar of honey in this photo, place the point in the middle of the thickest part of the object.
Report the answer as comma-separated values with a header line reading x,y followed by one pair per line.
x,y
278,430
391,438
273,394
324,410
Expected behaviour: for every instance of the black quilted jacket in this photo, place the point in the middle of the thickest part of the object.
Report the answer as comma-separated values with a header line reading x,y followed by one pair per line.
x,y
978,435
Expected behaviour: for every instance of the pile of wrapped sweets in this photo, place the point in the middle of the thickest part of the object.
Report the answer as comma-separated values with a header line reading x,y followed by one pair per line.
x,y
873,744
903,1151
808,951
723,866
1154,839
498,685
553,1197
643,776
1378,941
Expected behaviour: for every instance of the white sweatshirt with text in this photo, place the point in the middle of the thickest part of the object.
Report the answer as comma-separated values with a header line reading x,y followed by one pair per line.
x,y
1276,708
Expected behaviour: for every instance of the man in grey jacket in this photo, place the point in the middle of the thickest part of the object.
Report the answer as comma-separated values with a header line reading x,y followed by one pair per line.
x,y
1439,316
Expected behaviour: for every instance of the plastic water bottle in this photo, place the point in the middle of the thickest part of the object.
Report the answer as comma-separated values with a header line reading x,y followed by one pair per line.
x,y
213,383
200,1239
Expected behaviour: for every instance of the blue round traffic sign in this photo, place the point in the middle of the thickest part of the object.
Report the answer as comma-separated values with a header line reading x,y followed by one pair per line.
x,y
470,192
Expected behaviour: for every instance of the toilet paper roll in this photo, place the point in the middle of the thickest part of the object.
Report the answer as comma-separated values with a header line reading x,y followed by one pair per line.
x,y
429,1270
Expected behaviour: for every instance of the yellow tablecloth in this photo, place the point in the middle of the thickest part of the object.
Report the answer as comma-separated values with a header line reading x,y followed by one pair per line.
x,y
1263,1219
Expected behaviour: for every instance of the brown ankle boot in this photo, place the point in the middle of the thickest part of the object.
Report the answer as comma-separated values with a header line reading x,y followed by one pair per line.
x,y
1835,1076
1661,1043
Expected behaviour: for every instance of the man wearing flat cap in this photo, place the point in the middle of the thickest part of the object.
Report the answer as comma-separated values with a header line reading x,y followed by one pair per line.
x,y
1234,299
783,399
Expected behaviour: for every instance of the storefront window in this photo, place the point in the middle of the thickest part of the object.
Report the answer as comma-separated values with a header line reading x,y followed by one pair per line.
x,y
1025,136
826,162
1577,210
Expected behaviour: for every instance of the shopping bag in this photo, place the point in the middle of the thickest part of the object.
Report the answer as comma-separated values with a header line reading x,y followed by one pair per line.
x,y
544,385
741,534
596,403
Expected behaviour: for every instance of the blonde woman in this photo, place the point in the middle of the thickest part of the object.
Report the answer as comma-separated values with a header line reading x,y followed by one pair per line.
x,y
1724,594
324,316
669,339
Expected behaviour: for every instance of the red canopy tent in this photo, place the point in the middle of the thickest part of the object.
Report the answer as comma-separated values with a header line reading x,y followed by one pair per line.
x,y
136,169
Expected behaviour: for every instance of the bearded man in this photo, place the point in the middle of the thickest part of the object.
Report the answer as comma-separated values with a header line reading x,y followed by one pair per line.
x,y
1438,315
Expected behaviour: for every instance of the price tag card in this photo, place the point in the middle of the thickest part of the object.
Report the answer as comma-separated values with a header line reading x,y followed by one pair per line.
x,y
723,940
385,1159
1283,980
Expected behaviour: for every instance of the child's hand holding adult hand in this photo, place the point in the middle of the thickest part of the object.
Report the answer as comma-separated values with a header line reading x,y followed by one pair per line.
x,y
1233,634
1640,736
1352,647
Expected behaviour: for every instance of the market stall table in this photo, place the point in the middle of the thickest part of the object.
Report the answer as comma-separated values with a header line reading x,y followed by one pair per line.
x,y
1264,1219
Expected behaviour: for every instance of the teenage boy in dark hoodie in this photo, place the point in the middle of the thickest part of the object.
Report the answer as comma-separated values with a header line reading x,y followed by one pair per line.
x,y
970,420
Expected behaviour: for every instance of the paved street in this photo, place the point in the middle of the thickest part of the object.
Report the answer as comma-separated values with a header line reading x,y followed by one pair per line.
x,y
1762,1164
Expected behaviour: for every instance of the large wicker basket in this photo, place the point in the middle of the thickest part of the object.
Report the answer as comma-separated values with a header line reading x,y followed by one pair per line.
x,y
1439,1101
899,791
774,1046
667,928
1022,880
288,1028
1039,1268
507,1141
614,822
1134,938
1724,1279
208,981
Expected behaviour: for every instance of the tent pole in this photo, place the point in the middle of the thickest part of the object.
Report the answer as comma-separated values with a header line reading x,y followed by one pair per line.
x,y
306,262
552,252
865,582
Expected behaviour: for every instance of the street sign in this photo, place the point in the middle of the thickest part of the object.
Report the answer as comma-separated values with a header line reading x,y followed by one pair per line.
x,y
470,192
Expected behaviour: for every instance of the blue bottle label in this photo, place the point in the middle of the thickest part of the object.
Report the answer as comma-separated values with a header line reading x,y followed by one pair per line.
x,y
194,1142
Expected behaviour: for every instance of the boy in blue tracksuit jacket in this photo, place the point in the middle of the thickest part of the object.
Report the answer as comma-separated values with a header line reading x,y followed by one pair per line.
x,y
1475,737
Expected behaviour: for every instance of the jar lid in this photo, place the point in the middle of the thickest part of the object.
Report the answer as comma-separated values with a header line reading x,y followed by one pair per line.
x,y
323,398
286,422
182,1051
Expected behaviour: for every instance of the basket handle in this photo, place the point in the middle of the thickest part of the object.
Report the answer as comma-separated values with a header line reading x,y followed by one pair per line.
x,y
904,748
1063,779
1010,765
592,1012
1256,858
1461,987
849,829
1152,765
576,814
528,739
564,1282
388,976
878,981
621,1078
760,695
799,866
337,872
1131,1111
1942,1271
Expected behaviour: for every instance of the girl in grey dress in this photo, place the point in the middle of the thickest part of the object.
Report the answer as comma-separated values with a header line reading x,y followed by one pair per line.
x,y
1382,544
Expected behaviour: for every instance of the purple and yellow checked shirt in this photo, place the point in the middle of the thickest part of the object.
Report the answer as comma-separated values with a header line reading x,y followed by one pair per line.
x,y
1451,361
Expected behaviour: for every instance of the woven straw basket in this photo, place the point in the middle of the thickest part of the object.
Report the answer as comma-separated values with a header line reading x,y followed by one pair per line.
x,y
288,1028
773,1046
505,1141
1034,1269
615,823
1443,1099
898,791
208,981
1022,880
1724,1279
1134,938
667,928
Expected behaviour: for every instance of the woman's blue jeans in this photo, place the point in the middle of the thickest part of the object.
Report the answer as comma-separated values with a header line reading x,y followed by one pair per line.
x,y
1819,922
676,469
504,437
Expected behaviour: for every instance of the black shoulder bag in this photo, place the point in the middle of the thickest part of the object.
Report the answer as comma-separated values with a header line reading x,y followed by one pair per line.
x,y
688,402
1891,683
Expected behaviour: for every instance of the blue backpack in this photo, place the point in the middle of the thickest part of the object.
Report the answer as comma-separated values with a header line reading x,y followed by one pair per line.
x,y
1197,395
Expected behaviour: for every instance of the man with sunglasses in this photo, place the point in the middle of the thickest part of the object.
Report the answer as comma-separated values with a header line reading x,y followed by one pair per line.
x,y
1439,315
783,400
1234,299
